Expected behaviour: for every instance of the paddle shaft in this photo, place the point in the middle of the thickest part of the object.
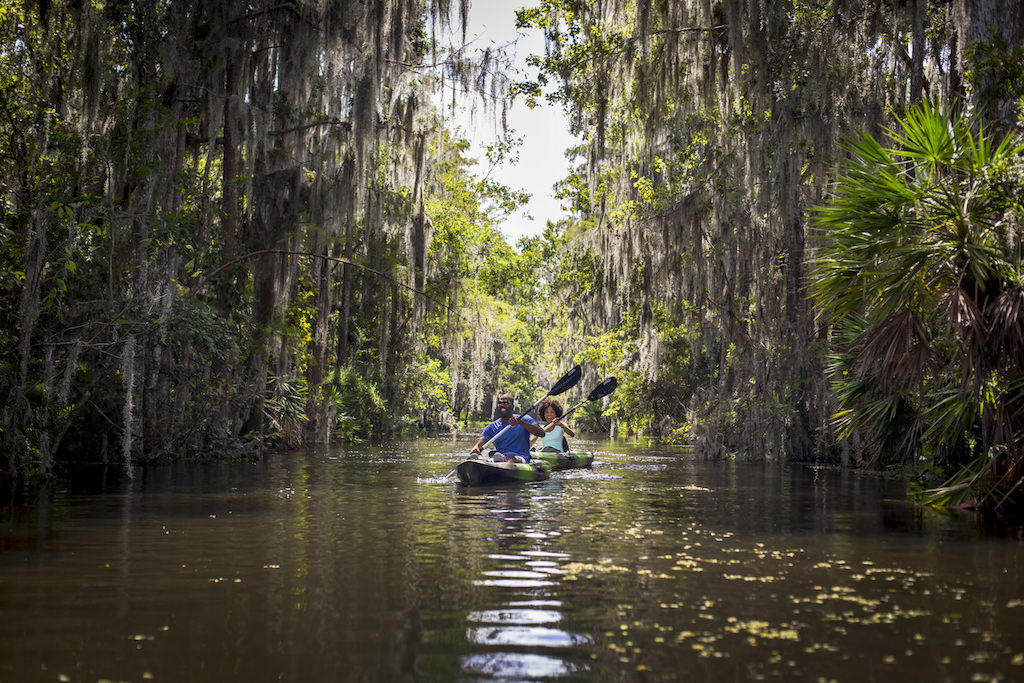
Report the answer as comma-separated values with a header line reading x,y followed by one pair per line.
x,y
509,426
600,391
568,381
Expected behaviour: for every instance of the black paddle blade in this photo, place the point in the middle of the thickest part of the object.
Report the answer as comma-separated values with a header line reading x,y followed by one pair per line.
x,y
603,389
567,382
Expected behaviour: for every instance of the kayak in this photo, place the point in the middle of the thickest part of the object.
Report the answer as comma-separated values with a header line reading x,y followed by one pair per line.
x,y
479,472
564,461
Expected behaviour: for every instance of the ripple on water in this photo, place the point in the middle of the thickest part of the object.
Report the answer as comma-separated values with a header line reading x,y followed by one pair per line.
x,y
517,665
569,475
587,475
513,583
524,636
545,553
517,616
514,574
535,603
434,480
540,534
651,467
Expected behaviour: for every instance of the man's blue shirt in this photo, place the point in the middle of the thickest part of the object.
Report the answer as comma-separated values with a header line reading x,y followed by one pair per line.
x,y
515,441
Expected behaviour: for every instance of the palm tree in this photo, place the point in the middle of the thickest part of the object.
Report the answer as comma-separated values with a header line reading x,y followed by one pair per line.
x,y
919,274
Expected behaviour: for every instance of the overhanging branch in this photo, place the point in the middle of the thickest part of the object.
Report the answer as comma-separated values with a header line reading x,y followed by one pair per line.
x,y
334,259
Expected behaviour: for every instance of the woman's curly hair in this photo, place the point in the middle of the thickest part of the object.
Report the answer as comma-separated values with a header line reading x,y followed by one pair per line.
x,y
549,403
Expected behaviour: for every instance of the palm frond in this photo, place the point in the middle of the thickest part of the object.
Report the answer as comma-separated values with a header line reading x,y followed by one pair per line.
x,y
895,349
918,269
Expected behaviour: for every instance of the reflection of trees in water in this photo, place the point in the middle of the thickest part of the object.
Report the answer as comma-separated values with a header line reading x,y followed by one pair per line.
x,y
511,512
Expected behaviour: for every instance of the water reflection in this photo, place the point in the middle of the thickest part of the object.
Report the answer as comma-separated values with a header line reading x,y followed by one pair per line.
x,y
521,577
516,665
525,636
514,583
368,564
518,615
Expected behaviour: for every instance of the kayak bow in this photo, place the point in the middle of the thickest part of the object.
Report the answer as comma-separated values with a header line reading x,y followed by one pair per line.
x,y
480,472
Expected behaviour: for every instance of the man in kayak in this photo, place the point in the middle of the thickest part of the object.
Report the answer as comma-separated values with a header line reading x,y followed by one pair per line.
x,y
514,444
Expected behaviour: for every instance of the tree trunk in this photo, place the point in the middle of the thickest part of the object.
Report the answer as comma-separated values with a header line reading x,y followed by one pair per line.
x,y
316,410
348,182
979,23
920,9
230,190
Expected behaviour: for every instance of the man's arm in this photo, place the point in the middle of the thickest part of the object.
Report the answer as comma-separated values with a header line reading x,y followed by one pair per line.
x,y
530,426
488,434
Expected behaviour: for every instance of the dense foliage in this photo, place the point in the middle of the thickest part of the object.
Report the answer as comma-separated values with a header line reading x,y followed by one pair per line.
x,y
920,275
233,223
712,129
227,223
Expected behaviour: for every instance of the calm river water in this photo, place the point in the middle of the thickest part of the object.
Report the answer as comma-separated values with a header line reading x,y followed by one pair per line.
x,y
365,563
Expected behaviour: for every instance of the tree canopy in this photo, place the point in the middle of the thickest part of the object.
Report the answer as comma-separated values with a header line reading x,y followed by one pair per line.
x,y
237,224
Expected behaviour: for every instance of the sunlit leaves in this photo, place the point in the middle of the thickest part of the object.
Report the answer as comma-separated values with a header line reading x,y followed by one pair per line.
x,y
918,270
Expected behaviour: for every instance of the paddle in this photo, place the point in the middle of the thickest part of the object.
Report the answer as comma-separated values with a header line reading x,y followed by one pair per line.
x,y
568,381
600,391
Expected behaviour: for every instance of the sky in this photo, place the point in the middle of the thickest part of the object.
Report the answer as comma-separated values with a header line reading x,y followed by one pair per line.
x,y
544,129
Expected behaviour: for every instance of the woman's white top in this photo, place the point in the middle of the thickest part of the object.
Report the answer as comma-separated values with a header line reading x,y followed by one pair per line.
x,y
553,438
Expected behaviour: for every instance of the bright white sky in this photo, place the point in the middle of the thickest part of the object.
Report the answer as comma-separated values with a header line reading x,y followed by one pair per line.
x,y
544,130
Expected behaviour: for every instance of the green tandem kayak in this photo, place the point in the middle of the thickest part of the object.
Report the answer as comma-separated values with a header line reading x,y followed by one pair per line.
x,y
565,461
479,472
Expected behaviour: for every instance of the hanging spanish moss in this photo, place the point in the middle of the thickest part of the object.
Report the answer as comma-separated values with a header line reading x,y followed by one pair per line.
x,y
712,128
150,145
235,225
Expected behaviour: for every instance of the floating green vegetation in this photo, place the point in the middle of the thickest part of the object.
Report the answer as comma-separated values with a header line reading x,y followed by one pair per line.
x,y
751,579
576,570
761,629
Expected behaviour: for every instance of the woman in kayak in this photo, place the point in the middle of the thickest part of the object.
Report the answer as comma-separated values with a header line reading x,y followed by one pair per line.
x,y
555,430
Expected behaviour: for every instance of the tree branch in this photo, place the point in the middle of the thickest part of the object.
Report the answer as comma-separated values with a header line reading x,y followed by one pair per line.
x,y
689,29
288,6
306,126
194,288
